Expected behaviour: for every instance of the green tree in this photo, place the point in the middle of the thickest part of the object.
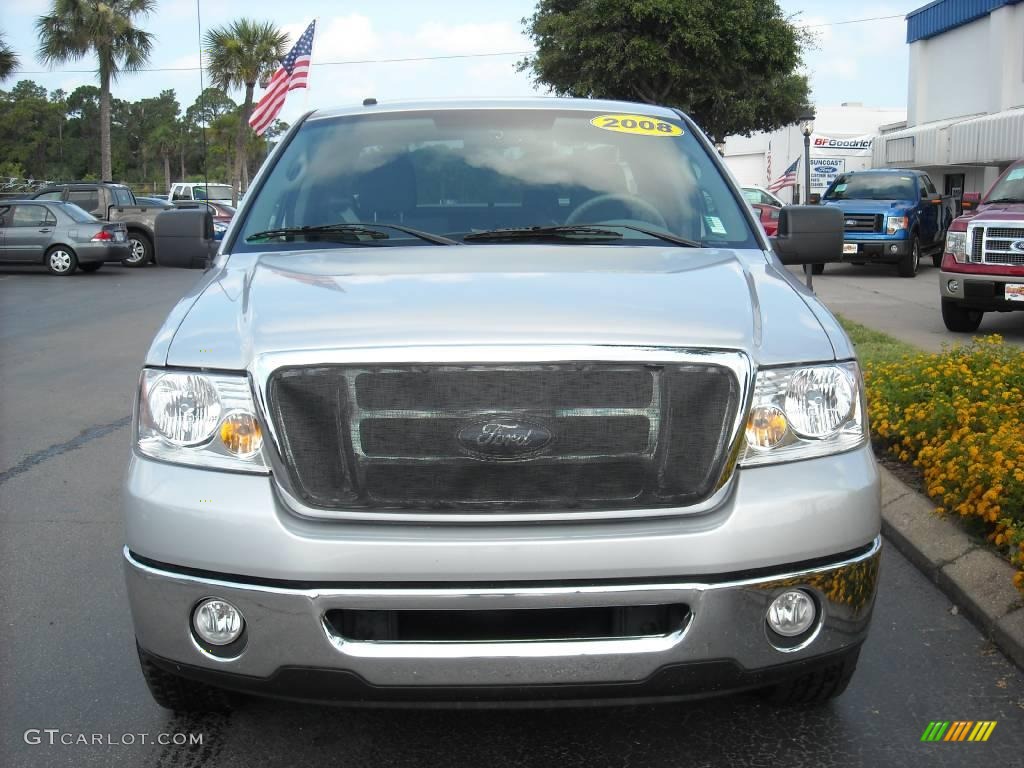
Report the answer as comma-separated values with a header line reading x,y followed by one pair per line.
x,y
8,59
106,28
732,65
240,55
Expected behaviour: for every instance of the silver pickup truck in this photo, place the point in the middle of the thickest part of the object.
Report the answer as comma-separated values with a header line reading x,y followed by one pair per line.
x,y
497,402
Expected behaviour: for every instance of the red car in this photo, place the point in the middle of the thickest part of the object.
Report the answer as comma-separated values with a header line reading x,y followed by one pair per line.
x,y
983,262
769,216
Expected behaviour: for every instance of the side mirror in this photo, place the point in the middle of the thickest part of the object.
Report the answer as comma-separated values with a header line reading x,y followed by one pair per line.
x,y
970,201
184,238
809,234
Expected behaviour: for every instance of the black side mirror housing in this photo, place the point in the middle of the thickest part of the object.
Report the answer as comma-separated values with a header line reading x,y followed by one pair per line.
x,y
184,238
809,234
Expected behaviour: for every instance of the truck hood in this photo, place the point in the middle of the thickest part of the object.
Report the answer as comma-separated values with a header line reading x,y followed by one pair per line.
x,y
869,206
495,294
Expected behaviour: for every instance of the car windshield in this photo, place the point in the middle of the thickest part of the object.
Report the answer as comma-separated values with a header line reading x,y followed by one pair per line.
x,y
1010,188
212,192
78,215
470,172
872,186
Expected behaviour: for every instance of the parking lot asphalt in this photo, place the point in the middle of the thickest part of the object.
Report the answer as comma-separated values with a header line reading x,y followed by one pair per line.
x,y
70,350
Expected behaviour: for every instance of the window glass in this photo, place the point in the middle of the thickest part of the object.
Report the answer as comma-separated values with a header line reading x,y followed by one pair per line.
x,y
56,194
455,172
77,214
212,192
871,186
29,216
87,199
1010,188
122,196
182,193
5,216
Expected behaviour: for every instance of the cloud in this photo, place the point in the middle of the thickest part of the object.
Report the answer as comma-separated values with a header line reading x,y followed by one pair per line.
x,y
472,38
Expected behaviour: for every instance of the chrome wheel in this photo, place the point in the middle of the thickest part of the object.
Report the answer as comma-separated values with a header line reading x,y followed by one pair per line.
x,y
60,262
138,251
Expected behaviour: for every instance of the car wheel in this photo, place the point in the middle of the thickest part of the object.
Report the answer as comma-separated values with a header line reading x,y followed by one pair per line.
x,y
91,267
180,694
958,319
61,261
817,269
141,250
909,263
818,686
937,258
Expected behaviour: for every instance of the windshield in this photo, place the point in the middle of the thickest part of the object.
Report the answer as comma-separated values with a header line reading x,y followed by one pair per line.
x,y
1010,188
212,192
872,186
462,172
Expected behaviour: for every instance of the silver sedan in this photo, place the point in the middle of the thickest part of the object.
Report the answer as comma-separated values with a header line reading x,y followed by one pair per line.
x,y
59,235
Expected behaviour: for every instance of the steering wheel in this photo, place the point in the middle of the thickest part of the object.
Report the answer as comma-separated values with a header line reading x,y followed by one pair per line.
x,y
636,205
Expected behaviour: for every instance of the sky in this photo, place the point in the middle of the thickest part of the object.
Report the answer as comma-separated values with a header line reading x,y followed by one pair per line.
x,y
865,62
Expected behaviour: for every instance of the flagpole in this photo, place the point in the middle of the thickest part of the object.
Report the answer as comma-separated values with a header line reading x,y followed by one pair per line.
x,y
312,55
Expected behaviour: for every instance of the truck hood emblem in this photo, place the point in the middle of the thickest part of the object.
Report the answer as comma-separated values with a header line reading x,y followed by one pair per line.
x,y
851,222
503,437
1017,245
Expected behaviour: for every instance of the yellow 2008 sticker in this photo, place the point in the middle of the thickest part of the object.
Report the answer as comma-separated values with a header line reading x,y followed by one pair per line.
x,y
638,124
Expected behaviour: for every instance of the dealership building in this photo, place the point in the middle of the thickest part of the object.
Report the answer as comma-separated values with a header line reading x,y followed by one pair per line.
x,y
965,103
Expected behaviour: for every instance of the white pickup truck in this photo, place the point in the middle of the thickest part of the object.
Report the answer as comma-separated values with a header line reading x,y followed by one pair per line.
x,y
198,190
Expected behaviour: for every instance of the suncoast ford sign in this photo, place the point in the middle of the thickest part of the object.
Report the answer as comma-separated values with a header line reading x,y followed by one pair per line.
x,y
850,145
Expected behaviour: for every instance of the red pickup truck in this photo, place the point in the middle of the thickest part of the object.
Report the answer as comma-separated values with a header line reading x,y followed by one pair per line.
x,y
983,263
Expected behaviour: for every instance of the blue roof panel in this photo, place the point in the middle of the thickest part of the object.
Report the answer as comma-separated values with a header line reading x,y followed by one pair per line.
x,y
943,15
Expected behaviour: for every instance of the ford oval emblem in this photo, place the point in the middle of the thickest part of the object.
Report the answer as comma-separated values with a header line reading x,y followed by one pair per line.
x,y
1017,245
503,437
851,222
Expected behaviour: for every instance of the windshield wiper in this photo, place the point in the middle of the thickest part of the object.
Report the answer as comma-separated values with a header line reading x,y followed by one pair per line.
x,y
566,231
1004,200
667,236
354,230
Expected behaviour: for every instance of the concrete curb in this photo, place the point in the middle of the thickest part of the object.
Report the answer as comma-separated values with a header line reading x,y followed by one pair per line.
x,y
978,581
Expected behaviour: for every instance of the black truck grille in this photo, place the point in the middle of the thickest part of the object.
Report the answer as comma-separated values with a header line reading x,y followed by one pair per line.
x,y
566,436
862,222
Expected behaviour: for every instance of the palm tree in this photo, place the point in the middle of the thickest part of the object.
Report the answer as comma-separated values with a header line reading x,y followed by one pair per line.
x,y
242,54
8,59
106,28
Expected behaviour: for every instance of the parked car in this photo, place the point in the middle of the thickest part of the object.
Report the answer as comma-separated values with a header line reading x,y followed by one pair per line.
x,y
500,401
111,202
769,217
758,196
983,263
198,190
60,235
153,202
892,216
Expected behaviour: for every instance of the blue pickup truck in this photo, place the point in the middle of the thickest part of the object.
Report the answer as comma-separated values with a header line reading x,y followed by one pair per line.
x,y
891,216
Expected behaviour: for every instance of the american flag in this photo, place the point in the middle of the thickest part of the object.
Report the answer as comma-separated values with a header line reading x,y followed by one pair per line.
x,y
292,74
788,179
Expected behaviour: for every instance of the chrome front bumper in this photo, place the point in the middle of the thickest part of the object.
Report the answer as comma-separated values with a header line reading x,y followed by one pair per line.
x,y
286,629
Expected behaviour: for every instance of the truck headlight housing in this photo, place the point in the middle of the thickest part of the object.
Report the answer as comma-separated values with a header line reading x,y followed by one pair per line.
x,y
805,412
894,224
956,245
204,420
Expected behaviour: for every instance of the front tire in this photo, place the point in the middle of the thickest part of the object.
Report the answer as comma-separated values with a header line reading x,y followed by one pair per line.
x,y
91,267
817,269
958,319
910,261
61,261
141,250
816,687
180,694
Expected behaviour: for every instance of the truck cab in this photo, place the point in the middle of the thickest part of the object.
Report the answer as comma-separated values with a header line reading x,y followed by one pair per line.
x,y
892,216
983,263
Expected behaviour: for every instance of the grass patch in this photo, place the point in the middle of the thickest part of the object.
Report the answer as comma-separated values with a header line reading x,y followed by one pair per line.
x,y
874,346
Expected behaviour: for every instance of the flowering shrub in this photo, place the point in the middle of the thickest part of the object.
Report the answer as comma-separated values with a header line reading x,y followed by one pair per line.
x,y
959,416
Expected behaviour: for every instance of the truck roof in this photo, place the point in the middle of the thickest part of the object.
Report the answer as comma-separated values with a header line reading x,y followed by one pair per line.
x,y
540,102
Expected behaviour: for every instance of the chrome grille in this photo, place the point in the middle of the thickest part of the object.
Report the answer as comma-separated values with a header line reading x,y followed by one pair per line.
x,y
623,435
862,222
994,245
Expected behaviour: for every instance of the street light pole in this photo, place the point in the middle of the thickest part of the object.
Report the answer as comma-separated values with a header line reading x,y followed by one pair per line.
x,y
807,125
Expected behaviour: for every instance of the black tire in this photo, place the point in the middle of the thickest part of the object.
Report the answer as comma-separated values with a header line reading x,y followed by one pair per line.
x,y
937,258
61,261
180,694
911,260
93,266
960,320
817,686
817,269
142,250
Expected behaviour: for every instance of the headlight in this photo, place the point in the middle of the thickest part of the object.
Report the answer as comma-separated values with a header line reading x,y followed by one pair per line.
x,y
801,413
894,224
956,244
199,419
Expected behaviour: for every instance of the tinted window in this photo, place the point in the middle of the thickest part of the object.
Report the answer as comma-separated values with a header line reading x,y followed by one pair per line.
x,y
77,214
5,216
122,196
87,199
454,172
928,185
872,186
30,216
212,192
57,194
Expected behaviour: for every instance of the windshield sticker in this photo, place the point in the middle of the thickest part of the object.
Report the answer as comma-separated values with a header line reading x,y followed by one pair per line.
x,y
1016,173
637,124
840,188
715,225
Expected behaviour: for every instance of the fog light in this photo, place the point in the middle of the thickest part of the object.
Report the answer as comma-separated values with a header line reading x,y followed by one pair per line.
x,y
953,286
217,622
893,248
766,427
241,434
791,613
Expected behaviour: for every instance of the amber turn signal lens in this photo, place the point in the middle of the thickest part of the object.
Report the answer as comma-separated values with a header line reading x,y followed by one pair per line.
x,y
766,427
241,434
